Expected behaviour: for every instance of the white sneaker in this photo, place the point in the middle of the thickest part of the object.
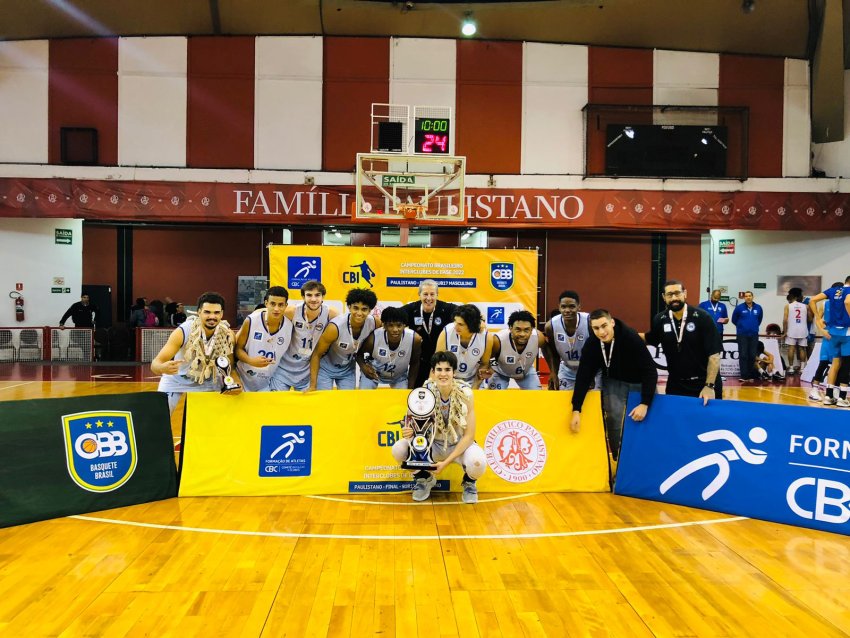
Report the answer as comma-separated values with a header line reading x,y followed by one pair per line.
x,y
828,400
470,493
814,395
842,403
422,488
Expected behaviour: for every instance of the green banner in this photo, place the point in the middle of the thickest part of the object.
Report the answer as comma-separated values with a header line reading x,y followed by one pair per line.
x,y
71,456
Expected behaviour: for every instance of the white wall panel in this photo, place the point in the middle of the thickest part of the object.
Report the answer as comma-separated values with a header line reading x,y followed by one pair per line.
x,y
685,78
23,101
152,93
796,123
554,91
423,73
29,255
288,106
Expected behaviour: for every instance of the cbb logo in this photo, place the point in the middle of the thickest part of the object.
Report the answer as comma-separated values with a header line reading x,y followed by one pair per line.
x,y
501,275
100,445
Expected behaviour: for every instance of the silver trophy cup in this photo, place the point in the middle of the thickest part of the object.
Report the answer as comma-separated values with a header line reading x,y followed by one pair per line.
x,y
421,406
228,383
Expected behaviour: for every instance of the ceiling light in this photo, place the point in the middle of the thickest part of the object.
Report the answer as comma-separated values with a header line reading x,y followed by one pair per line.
x,y
630,132
748,6
468,27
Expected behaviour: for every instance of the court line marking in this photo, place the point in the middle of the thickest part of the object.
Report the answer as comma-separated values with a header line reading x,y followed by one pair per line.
x,y
357,501
435,537
17,385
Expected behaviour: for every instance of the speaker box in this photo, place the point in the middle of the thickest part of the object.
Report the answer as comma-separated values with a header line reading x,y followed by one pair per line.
x,y
78,146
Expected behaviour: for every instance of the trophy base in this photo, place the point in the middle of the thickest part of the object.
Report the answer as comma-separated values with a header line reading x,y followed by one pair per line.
x,y
428,466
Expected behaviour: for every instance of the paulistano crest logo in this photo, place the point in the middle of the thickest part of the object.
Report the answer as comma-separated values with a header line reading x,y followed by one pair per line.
x,y
100,449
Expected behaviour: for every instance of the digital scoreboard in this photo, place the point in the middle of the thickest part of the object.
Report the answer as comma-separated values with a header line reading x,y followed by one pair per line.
x,y
431,135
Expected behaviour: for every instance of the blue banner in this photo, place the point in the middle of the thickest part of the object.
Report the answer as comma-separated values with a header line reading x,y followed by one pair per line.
x,y
788,464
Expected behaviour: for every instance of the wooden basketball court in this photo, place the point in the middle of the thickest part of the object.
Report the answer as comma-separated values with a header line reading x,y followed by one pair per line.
x,y
519,565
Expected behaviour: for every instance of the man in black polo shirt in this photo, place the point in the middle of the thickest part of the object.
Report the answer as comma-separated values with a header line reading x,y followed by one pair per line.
x,y
691,344
427,318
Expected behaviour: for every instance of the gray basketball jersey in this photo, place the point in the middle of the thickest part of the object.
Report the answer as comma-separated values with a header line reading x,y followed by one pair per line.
x,y
513,364
569,348
305,336
344,348
469,356
263,343
390,364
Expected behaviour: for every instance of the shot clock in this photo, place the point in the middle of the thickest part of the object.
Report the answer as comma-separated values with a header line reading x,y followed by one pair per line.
x,y
431,135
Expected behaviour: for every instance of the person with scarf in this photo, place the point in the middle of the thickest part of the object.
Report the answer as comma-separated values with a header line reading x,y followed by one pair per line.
x,y
187,361
454,439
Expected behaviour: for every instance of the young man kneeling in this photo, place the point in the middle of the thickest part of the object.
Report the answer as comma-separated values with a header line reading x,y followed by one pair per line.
x,y
454,441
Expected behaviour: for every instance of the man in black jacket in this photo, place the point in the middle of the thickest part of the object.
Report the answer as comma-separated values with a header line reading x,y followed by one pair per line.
x,y
82,313
427,317
626,365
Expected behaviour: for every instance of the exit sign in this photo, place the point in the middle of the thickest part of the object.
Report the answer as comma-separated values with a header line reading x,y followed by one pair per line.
x,y
726,246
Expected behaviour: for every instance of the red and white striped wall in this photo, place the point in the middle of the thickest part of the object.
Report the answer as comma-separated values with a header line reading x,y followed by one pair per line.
x,y
303,103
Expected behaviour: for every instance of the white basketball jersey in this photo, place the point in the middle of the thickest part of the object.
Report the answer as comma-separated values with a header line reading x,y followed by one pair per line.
x,y
513,364
798,326
345,346
266,344
305,336
390,364
569,347
468,356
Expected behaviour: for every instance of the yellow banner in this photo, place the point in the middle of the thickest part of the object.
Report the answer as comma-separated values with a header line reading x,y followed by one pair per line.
x,y
339,442
498,281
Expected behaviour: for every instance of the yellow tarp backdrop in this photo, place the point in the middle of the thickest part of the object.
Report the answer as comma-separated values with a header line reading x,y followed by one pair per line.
x,y
338,442
500,281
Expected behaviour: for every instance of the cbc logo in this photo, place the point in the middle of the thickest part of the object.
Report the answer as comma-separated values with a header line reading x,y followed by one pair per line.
x,y
501,274
92,445
272,469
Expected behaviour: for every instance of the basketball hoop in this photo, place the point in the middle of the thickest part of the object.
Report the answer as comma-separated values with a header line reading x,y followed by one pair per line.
x,y
411,211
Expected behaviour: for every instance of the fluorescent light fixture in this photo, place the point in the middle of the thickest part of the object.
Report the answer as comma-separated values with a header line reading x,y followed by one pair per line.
x,y
630,132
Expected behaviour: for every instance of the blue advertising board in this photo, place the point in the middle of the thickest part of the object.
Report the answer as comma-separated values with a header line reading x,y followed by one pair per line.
x,y
788,464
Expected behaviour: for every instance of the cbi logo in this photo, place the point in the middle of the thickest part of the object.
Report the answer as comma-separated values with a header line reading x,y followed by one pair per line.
x,y
501,275
100,449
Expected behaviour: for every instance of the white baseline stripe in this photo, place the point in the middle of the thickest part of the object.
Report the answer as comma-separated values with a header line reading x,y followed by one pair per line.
x,y
17,385
371,537
820,467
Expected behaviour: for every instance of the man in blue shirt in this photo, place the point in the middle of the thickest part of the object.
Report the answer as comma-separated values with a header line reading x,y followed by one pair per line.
x,y
717,310
747,318
838,329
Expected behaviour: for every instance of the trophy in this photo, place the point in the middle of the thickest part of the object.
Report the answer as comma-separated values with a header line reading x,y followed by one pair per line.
x,y
421,405
228,383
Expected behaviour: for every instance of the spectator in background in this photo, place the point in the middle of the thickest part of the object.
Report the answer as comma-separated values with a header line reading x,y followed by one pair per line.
x,y
158,308
82,313
170,308
747,318
178,316
717,309
143,317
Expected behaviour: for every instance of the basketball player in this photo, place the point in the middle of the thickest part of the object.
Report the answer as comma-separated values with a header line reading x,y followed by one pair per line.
x,y
515,352
393,353
838,328
795,327
262,341
566,335
333,360
187,361
472,349
454,440
819,380
308,322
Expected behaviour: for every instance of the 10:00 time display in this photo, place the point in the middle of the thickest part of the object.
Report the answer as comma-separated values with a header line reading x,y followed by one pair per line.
x,y
431,135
